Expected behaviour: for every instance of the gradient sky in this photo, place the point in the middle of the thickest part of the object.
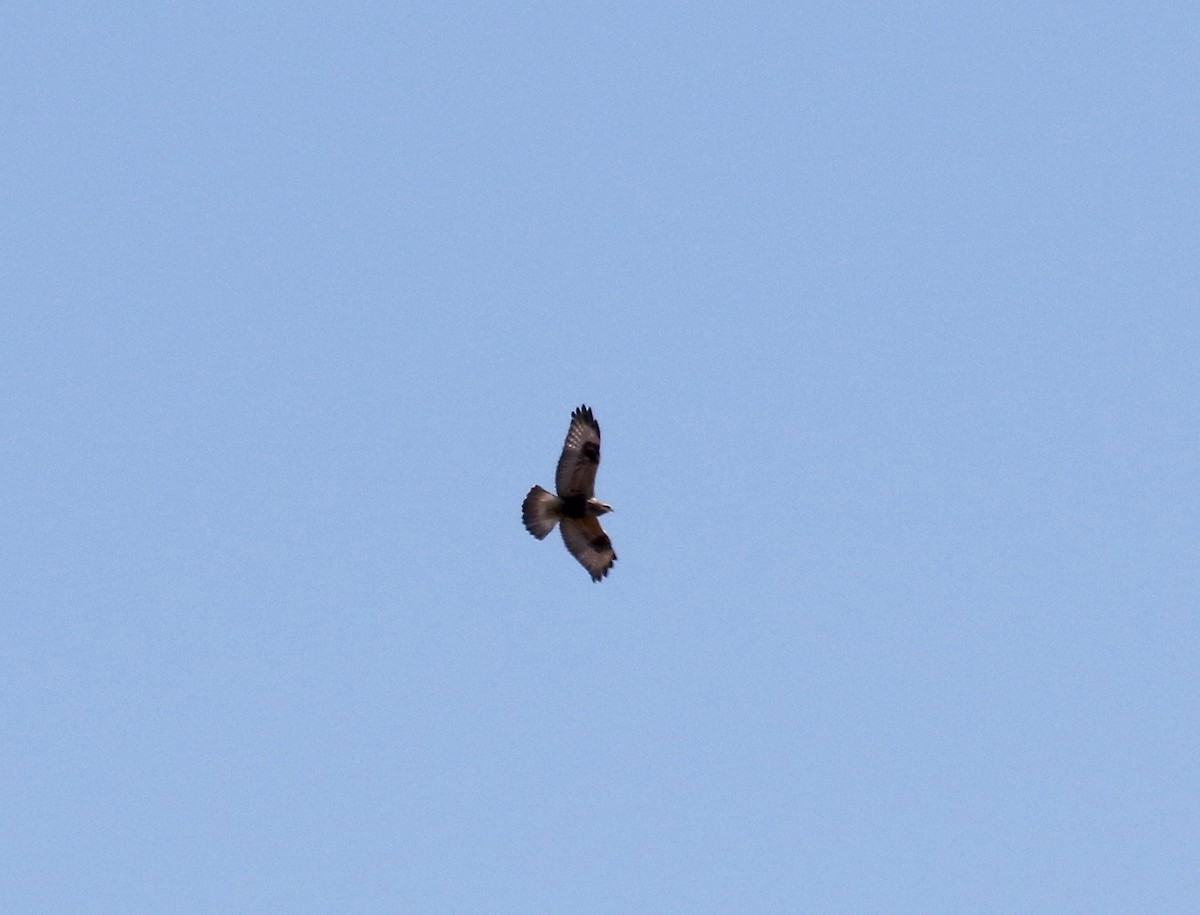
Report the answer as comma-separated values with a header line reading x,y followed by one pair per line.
x,y
890,314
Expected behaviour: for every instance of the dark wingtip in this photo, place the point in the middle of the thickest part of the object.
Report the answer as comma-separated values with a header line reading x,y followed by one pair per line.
x,y
584,413
608,568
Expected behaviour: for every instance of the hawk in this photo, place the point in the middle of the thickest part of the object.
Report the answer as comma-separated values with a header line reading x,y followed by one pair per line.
x,y
575,507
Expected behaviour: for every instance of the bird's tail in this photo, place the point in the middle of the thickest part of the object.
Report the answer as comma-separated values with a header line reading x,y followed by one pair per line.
x,y
540,511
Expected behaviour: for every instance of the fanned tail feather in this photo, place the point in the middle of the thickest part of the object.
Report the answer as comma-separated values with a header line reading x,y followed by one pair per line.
x,y
540,512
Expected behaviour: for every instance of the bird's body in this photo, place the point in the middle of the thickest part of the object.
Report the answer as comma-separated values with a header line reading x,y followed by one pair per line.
x,y
575,507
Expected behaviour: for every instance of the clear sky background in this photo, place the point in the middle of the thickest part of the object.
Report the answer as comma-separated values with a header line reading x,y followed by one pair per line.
x,y
890,314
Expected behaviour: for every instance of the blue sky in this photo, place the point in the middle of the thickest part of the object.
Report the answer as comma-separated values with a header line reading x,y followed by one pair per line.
x,y
889,313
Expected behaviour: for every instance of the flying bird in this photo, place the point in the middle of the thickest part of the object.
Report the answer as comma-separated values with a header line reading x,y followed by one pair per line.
x,y
575,508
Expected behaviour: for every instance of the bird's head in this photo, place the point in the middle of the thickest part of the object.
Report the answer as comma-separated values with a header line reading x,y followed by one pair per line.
x,y
596,507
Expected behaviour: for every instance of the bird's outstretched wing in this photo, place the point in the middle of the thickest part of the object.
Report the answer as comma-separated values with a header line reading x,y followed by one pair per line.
x,y
576,474
587,542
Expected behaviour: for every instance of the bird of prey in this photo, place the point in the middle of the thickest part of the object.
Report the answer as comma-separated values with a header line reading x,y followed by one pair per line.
x,y
575,507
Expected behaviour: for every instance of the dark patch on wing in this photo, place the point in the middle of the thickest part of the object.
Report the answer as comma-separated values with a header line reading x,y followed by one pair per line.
x,y
576,473
589,544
